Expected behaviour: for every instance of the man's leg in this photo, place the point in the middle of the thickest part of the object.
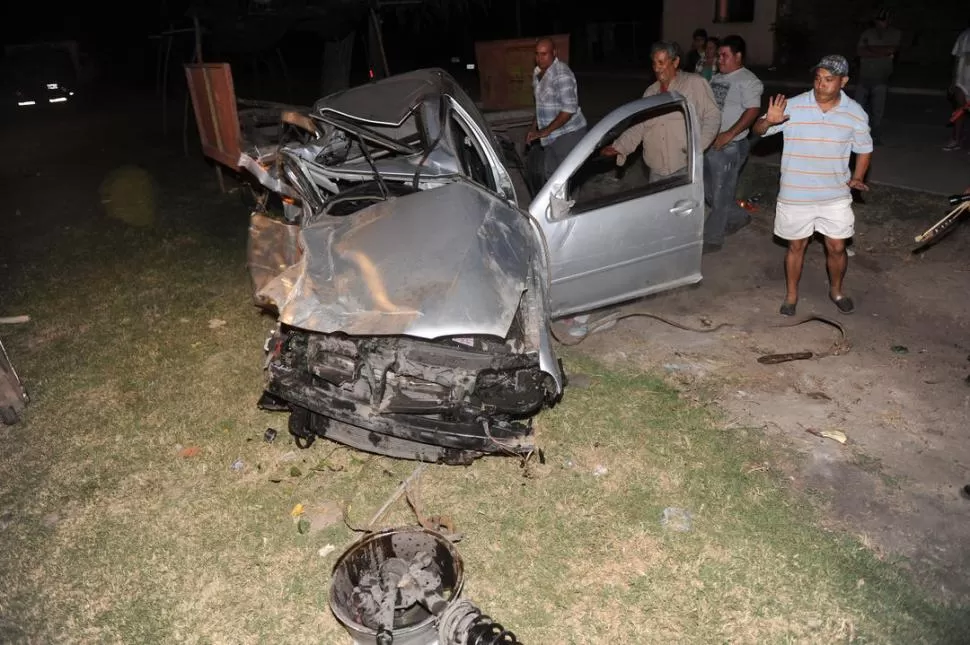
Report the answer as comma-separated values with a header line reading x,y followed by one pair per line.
x,y
722,215
535,164
737,217
744,149
960,124
862,96
708,185
559,149
837,263
879,94
960,101
714,222
836,223
794,260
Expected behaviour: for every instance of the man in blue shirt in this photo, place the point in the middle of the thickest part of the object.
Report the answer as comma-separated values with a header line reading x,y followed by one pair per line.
x,y
559,124
822,128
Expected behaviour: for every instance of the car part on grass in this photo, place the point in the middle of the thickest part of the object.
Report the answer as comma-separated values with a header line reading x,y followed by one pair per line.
x,y
13,394
463,623
960,206
834,435
774,359
839,347
401,587
610,319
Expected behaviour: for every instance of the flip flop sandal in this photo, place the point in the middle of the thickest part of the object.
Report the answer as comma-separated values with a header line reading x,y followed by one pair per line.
x,y
788,308
844,304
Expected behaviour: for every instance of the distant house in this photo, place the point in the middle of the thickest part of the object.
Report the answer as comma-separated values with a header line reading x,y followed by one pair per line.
x,y
797,32
750,19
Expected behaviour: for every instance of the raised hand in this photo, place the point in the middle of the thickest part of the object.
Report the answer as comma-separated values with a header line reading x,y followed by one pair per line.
x,y
776,110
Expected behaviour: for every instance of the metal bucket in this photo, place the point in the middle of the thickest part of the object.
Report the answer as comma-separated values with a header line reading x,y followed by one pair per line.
x,y
365,561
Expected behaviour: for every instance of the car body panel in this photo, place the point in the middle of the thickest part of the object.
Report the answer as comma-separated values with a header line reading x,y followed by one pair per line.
x,y
453,261
646,243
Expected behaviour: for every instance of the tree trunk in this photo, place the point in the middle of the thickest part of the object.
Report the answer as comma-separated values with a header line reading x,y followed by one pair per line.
x,y
337,56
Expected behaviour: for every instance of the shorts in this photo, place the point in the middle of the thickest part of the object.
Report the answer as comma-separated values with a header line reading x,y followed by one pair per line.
x,y
834,220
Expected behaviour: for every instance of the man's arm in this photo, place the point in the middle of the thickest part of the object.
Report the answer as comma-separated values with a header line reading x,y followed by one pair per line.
x,y
557,123
862,147
858,181
760,127
746,120
709,113
751,102
626,143
774,119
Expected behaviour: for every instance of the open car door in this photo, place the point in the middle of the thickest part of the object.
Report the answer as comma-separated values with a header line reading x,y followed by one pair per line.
x,y
618,233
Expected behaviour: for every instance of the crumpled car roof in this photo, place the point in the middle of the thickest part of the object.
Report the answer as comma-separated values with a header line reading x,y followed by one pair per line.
x,y
387,102
453,261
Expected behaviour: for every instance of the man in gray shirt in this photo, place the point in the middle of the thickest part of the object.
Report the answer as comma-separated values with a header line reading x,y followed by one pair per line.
x,y
877,50
737,92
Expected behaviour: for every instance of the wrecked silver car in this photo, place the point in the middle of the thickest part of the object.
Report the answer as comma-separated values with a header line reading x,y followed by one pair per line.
x,y
414,275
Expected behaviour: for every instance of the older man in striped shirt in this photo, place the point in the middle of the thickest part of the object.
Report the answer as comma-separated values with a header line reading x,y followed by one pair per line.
x,y
822,128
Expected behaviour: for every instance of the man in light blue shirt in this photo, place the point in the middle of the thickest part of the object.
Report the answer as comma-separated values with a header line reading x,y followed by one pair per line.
x,y
559,124
822,128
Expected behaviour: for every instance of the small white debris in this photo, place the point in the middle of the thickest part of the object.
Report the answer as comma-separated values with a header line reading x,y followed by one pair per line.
x,y
326,550
677,519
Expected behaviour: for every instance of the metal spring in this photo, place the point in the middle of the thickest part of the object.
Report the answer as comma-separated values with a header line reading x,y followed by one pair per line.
x,y
462,623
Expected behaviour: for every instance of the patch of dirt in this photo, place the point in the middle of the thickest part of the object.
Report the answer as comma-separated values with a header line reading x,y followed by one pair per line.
x,y
896,482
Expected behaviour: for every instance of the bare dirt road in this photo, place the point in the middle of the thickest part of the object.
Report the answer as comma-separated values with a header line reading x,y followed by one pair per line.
x,y
899,394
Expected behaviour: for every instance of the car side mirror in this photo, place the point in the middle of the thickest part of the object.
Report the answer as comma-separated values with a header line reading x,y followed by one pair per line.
x,y
559,206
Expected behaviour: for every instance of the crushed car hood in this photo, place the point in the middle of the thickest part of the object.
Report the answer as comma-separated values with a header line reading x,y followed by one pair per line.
x,y
449,262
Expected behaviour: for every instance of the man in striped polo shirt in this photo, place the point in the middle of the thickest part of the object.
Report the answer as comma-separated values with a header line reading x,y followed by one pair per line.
x,y
822,128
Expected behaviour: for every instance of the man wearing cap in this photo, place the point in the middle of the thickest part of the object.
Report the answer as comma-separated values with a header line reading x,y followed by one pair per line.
x,y
877,50
822,128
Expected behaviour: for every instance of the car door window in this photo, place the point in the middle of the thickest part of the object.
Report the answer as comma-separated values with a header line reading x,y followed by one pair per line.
x,y
600,182
473,162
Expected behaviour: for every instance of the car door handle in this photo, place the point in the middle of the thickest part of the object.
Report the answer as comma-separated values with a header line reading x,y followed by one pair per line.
x,y
684,207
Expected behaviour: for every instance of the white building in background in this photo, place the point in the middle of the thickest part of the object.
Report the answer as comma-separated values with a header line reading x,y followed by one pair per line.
x,y
750,19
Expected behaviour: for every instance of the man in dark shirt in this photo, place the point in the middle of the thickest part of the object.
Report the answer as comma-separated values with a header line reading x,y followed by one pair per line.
x,y
877,50
699,44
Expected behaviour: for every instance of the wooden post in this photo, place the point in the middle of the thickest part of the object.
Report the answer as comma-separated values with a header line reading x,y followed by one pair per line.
x,y
168,55
380,40
210,100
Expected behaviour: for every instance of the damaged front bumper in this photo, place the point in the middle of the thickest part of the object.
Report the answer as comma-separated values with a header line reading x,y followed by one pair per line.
x,y
445,401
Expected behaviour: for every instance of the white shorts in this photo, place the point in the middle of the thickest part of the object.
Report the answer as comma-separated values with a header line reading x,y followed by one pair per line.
x,y
799,221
